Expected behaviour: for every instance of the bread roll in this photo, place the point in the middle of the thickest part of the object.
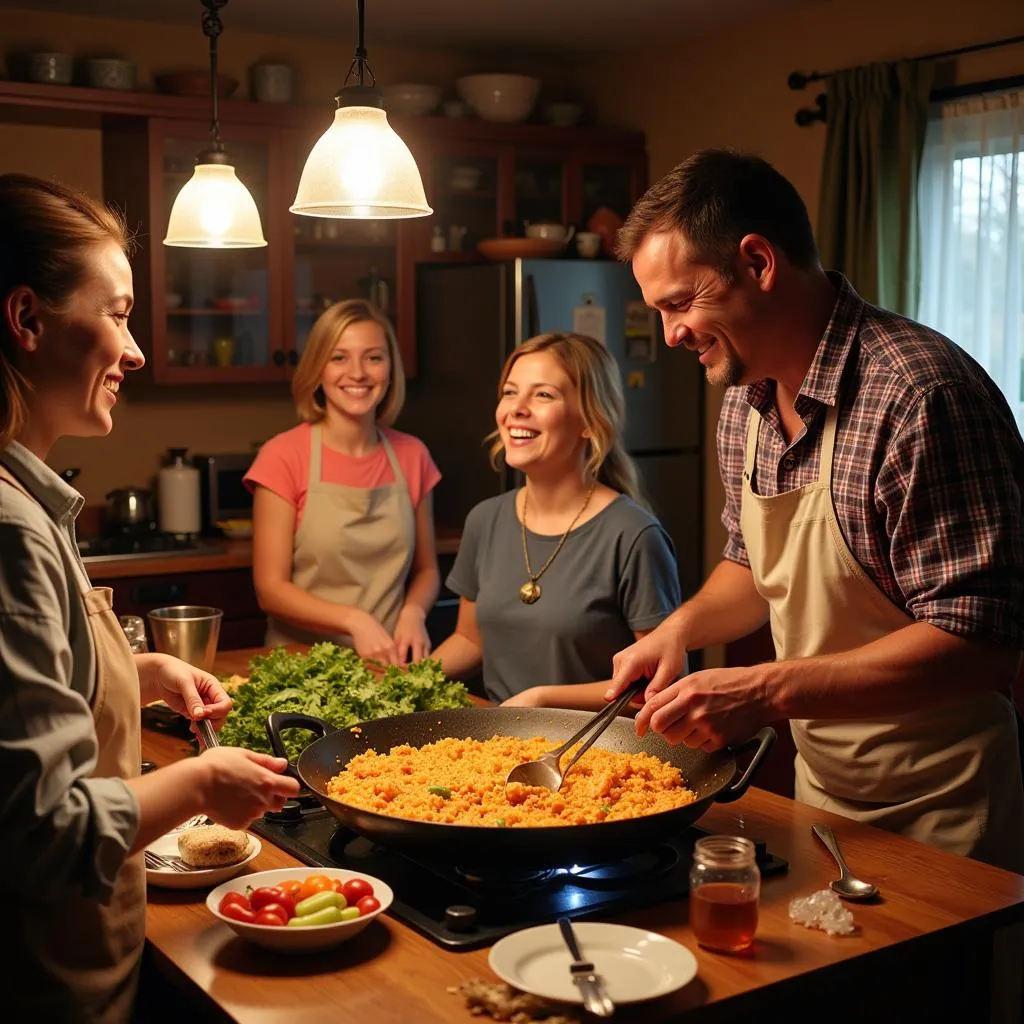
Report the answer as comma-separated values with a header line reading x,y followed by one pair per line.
x,y
212,846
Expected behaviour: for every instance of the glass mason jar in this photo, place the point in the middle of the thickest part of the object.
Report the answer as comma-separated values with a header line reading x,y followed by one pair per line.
x,y
725,885
135,630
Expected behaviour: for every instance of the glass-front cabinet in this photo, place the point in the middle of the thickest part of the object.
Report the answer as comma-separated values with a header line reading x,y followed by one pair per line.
x,y
215,315
244,315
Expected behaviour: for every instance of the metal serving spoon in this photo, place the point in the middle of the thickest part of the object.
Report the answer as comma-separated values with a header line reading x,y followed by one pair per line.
x,y
847,885
546,771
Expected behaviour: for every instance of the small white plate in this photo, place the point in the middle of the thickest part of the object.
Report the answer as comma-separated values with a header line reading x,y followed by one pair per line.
x,y
634,964
168,878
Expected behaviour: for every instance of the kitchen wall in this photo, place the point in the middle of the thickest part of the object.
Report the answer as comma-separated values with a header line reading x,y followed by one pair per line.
x,y
729,89
220,419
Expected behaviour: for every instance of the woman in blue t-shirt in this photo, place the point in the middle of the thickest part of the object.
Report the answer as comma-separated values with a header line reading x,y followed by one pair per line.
x,y
556,576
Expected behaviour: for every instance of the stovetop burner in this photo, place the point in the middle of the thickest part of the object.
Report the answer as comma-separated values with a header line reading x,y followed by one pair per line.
x,y
128,544
464,908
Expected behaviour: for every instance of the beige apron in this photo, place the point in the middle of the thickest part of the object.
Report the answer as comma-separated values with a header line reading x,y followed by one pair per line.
x,y
353,547
78,960
947,775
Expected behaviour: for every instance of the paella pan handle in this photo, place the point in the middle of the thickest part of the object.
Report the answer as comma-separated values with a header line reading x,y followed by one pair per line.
x,y
278,721
763,740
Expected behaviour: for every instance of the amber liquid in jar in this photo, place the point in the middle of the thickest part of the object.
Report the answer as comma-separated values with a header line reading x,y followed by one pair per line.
x,y
723,915
725,886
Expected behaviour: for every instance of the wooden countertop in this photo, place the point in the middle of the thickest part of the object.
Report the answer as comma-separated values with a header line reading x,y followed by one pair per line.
x,y
235,554
936,914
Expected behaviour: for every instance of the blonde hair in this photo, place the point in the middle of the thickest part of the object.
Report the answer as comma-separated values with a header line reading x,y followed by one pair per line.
x,y
46,233
595,377
329,327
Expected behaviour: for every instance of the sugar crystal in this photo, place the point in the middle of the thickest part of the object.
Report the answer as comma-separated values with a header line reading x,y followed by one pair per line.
x,y
822,909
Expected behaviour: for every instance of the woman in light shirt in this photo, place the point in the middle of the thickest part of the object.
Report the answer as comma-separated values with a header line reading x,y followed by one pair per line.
x,y
75,813
343,524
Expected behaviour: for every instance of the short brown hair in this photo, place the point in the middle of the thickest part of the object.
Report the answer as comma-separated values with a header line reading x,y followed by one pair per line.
x,y
329,327
714,198
595,376
46,232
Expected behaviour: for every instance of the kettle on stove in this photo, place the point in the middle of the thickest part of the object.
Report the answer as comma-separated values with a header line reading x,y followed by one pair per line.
x,y
130,510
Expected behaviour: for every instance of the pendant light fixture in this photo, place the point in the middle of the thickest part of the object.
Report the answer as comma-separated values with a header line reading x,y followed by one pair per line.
x,y
214,210
359,168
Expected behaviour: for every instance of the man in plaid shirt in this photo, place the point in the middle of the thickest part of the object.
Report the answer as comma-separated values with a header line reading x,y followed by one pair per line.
x,y
874,477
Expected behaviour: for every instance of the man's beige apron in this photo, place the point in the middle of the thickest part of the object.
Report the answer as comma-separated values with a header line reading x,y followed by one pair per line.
x,y
947,775
78,960
353,547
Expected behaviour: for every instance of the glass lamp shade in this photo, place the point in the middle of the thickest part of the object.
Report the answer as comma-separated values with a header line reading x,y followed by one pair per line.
x,y
214,210
360,169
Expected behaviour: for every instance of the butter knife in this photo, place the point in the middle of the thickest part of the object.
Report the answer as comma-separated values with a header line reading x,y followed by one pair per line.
x,y
595,998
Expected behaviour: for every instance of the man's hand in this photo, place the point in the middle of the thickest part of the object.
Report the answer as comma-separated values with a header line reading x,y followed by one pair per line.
x,y
660,656
709,709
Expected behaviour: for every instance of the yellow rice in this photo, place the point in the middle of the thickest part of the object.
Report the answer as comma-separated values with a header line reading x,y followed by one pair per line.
x,y
462,782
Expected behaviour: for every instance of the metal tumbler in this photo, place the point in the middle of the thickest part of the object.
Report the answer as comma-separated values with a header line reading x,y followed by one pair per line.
x,y
187,631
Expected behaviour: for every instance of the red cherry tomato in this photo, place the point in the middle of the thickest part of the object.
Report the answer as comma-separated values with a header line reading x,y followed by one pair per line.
x,y
239,913
367,905
269,894
234,898
268,917
355,889
281,909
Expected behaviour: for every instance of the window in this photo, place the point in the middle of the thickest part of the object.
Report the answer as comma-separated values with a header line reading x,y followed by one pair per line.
x,y
971,201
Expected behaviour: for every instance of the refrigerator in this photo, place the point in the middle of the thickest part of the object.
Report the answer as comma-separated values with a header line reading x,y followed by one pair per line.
x,y
471,316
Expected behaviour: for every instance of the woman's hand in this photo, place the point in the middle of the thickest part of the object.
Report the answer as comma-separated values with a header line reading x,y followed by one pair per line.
x,y
411,639
534,697
239,785
188,690
370,639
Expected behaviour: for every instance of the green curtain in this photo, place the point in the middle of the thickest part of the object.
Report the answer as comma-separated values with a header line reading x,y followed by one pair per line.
x,y
867,219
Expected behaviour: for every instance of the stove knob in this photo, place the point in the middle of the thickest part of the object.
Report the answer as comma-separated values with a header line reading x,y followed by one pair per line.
x,y
291,811
460,918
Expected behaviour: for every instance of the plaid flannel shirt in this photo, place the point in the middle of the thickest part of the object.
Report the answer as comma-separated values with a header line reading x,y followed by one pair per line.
x,y
928,471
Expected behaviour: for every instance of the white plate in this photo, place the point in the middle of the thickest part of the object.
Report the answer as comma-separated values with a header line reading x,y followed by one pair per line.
x,y
634,964
168,878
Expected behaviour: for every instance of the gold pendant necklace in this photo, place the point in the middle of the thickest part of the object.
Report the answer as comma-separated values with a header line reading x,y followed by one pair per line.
x,y
529,592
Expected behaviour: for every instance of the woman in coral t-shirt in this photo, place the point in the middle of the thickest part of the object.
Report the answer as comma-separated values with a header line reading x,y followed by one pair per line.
x,y
343,526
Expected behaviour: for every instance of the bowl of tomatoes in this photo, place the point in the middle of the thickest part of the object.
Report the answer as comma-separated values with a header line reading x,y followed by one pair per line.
x,y
298,910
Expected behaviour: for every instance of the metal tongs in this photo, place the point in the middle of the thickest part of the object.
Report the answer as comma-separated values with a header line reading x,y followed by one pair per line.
x,y
206,733
546,771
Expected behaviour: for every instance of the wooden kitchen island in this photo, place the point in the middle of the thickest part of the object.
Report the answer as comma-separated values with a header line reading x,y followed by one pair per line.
x,y
920,953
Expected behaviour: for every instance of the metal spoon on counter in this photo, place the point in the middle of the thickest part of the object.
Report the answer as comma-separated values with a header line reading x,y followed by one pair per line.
x,y
847,885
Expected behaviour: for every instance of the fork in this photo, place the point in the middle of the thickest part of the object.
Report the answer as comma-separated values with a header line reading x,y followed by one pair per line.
x,y
193,822
156,861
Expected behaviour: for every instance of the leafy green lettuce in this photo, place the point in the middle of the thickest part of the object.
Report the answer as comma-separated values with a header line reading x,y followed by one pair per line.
x,y
332,683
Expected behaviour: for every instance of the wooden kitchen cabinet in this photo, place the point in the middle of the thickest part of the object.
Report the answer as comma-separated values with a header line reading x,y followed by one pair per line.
x,y
231,590
259,304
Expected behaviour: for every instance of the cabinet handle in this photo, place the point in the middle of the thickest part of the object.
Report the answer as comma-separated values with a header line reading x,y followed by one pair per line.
x,y
293,358
278,357
159,593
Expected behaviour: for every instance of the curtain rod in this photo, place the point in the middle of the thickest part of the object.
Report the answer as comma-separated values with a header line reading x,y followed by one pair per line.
x,y
808,115
798,80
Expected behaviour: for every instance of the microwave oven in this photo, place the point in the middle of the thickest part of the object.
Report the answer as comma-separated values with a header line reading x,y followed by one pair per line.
x,y
222,493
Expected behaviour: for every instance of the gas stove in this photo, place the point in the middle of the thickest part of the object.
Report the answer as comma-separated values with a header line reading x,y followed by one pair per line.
x,y
462,908
140,545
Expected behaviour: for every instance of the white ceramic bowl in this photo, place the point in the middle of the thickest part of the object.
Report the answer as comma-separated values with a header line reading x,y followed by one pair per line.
x,y
499,97
297,940
410,99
